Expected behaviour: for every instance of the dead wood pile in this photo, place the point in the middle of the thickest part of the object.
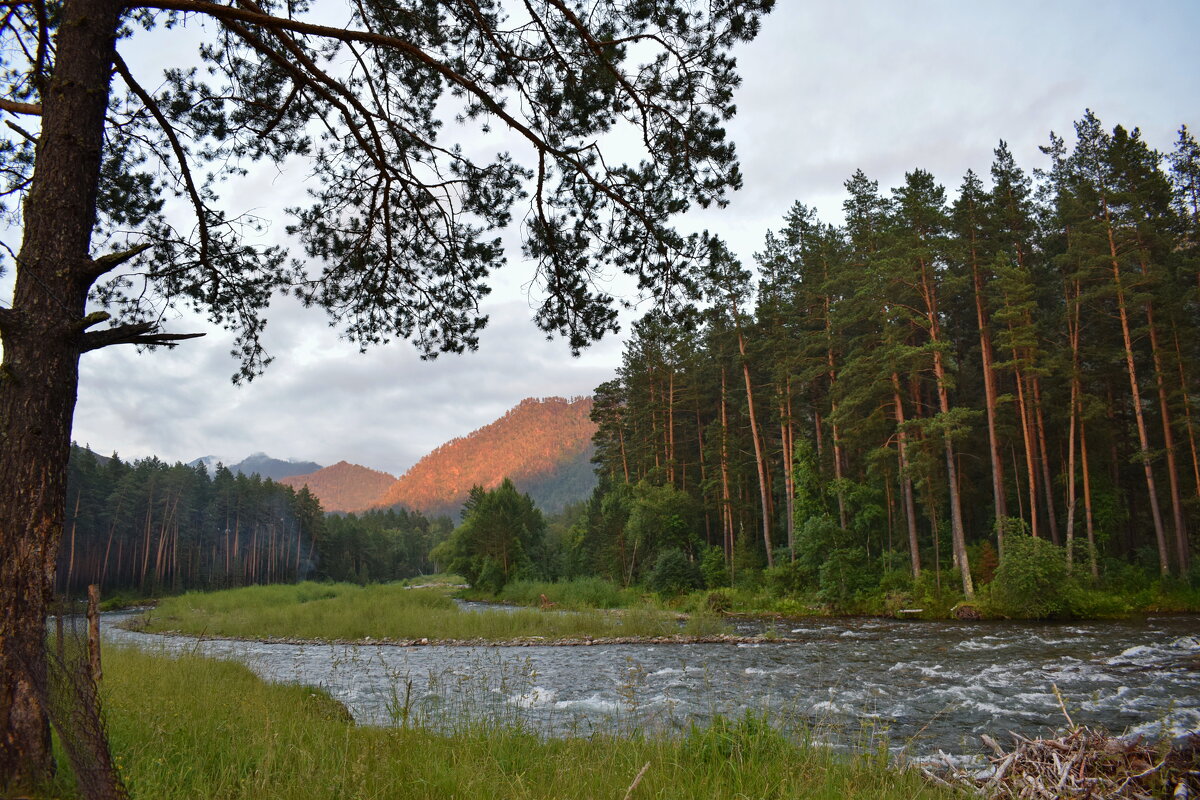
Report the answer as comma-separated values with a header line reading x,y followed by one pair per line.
x,y
1082,763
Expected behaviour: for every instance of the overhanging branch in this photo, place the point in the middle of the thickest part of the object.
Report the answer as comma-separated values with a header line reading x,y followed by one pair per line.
x,y
15,107
143,333
109,262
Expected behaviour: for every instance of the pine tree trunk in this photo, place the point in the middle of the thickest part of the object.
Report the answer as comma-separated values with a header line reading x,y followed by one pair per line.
x,y
1027,435
1047,483
1187,412
906,489
40,373
1164,565
726,502
1181,536
1087,498
989,398
671,428
1072,499
957,531
759,456
787,476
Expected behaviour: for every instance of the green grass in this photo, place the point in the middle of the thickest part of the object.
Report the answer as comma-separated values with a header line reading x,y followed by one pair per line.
x,y
577,593
349,612
189,727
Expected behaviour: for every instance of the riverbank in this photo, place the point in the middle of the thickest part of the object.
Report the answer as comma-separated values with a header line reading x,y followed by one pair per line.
x,y
399,615
188,727
931,600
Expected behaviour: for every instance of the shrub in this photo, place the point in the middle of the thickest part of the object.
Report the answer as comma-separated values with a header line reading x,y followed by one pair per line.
x,y
674,574
1031,581
845,573
714,569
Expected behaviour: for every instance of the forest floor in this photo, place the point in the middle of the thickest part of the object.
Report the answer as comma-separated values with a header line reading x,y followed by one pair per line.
x,y
186,727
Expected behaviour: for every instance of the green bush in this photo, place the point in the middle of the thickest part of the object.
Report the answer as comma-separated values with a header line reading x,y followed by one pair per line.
x,y
714,569
1032,581
845,573
674,574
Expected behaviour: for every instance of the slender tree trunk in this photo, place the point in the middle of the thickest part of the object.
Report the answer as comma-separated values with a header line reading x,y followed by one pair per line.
x,y
999,504
39,377
74,526
1187,409
1180,527
784,422
957,531
671,428
759,456
1047,483
1027,435
1136,398
726,503
1073,337
1087,497
906,489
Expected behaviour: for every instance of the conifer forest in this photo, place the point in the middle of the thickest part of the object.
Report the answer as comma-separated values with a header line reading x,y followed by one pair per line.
x,y
951,367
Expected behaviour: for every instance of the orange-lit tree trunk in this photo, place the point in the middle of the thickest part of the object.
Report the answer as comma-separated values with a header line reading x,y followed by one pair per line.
x,y
1136,398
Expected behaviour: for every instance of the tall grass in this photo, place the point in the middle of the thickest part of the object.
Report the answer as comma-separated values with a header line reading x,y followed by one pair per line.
x,y
349,612
189,727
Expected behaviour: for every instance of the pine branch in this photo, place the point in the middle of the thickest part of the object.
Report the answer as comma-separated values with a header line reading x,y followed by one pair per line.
x,y
15,107
180,156
107,263
140,333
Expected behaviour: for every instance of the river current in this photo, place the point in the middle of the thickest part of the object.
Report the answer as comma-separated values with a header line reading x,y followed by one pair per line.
x,y
922,686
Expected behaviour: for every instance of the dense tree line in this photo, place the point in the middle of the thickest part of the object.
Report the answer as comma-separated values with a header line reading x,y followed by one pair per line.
x,y
378,545
910,387
150,527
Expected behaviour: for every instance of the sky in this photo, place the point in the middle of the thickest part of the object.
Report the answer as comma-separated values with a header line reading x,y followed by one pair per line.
x,y
827,88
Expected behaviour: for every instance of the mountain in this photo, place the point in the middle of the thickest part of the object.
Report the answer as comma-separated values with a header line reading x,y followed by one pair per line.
x,y
261,464
543,445
344,486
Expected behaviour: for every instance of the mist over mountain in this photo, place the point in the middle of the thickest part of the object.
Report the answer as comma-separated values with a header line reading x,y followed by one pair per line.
x,y
261,464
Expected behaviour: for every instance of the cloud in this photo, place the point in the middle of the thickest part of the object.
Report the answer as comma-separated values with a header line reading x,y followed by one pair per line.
x,y
827,89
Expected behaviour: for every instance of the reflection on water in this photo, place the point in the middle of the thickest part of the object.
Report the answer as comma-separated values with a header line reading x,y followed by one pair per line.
x,y
929,685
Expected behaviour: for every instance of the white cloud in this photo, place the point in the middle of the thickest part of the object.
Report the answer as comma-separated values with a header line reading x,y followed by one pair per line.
x,y
827,89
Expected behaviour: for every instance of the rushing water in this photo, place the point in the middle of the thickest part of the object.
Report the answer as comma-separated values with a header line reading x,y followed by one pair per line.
x,y
924,685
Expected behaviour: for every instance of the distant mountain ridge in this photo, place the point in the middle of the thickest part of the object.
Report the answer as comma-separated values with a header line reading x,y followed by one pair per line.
x,y
261,464
344,486
544,445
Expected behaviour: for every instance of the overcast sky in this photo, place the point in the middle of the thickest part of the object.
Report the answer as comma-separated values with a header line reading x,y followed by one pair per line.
x,y
828,87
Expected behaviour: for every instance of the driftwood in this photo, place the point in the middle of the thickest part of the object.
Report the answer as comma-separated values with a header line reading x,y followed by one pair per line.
x,y
1082,763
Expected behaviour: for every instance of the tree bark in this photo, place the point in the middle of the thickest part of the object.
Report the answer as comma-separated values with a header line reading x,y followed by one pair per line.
x,y
906,489
759,456
1136,398
40,373
989,394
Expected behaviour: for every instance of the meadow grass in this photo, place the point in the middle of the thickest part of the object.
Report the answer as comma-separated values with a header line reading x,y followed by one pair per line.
x,y
349,612
576,593
191,727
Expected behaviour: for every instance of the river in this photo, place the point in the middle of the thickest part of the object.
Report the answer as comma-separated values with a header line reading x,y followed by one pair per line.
x,y
922,686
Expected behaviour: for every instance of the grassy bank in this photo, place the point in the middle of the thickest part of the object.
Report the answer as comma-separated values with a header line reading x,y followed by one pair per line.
x,y
765,594
190,727
349,612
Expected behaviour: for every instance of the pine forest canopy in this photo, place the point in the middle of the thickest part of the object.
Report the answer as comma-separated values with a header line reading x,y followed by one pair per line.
x,y
934,375
398,235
